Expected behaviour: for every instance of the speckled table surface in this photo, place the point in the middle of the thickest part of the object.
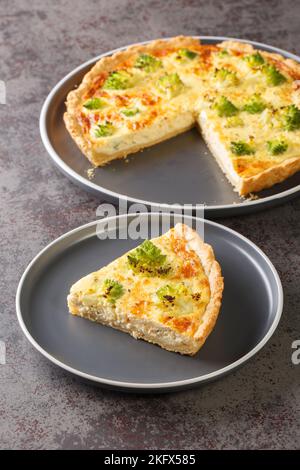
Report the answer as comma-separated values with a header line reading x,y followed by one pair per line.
x,y
42,406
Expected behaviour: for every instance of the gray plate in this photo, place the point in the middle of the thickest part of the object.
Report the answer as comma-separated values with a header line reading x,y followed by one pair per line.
x,y
178,171
250,312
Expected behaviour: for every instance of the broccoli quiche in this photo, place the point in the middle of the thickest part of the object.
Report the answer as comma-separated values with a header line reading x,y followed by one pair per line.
x,y
246,103
166,291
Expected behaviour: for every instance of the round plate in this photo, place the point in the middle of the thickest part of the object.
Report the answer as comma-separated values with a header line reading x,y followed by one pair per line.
x,y
250,312
178,171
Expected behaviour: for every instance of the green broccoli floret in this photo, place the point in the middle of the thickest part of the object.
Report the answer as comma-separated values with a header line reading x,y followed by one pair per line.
x,y
273,76
255,105
167,294
223,53
94,103
104,130
225,108
170,84
186,54
241,148
276,147
234,121
148,63
254,60
113,290
227,76
129,112
148,259
291,118
119,80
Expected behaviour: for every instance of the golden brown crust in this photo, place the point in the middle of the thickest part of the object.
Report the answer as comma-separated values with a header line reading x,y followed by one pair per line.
x,y
213,272
269,177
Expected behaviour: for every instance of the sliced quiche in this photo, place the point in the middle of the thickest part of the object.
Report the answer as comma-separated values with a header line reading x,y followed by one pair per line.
x,y
245,101
166,291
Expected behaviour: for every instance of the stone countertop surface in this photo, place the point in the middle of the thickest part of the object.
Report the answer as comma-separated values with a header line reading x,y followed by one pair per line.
x,y
42,406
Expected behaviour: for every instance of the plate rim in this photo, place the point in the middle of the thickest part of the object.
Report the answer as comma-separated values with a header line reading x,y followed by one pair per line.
x,y
142,387
95,188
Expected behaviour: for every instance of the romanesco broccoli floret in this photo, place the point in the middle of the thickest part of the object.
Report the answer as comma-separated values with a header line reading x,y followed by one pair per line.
x,y
276,147
254,60
186,54
170,84
291,118
118,80
255,105
241,148
273,76
113,290
225,108
94,103
148,63
129,112
227,76
148,259
104,130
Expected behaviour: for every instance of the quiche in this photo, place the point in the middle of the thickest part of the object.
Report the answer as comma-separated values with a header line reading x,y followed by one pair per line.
x,y
166,291
246,103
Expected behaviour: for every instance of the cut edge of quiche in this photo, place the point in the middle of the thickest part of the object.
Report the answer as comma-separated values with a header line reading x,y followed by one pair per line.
x,y
263,174
176,312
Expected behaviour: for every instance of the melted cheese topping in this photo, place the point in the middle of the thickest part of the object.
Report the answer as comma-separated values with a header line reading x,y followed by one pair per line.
x,y
140,297
159,111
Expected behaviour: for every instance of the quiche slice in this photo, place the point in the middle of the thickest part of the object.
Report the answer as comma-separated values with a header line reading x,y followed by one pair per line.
x,y
167,291
246,103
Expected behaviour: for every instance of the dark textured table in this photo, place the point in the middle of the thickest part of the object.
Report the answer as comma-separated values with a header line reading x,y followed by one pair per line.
x,y
42,406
